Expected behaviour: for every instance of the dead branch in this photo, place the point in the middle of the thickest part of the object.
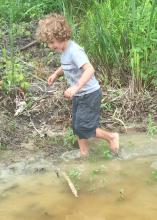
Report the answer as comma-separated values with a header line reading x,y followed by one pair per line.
x,y
28,45
68,180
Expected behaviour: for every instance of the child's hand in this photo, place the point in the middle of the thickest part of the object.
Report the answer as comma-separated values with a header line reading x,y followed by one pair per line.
x,y
71,91
51,79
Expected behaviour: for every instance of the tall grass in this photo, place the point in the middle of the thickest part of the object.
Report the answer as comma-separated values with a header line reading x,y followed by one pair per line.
x,y
11,42
26,10
75,11
143,38
12,75
119,36
122,36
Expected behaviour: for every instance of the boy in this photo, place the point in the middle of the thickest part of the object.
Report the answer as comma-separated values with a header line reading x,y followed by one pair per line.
x,y
84,89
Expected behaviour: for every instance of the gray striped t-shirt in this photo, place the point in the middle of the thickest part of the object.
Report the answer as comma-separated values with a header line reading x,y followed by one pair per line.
x,y
72,60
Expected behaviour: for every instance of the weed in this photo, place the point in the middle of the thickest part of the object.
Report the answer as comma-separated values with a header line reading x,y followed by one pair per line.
x,y
48,141
12,126
14,77
13,72
151,126
98,171
154,175
3,146
152,178
74,175
69,138
106,153
107,106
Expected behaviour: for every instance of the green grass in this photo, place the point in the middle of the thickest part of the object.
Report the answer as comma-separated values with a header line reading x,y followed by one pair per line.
x,y
151,126
120,37
26,10
3,147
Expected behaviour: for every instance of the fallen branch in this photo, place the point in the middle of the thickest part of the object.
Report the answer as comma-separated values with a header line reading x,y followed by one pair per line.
x,y
28,45
41,135
117,119
68,180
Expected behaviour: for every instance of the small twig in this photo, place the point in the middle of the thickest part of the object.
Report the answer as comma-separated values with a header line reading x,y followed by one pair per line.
x,y
41,135
28,45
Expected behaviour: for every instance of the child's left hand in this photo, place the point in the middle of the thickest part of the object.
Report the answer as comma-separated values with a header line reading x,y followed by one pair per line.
x,y
71,91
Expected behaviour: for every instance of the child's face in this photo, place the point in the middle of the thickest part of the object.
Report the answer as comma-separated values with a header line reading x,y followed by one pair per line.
x,y
57,45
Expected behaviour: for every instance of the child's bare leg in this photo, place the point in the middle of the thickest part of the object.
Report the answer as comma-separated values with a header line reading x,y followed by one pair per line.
x,y
112,138
83,144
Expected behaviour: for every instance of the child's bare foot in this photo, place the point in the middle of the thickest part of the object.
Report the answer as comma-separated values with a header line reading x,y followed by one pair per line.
x,y
114,143
84,154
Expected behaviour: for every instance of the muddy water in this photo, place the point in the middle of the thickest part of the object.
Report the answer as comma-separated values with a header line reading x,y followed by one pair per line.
x,y
113,189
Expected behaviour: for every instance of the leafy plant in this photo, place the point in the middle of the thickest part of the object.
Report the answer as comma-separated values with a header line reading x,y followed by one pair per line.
x,y
74,174
69,138
13,74
106,153
151,126
3,146
154,175
14,77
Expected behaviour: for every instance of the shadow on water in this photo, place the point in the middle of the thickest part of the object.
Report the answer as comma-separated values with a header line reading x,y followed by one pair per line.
x,y
121,189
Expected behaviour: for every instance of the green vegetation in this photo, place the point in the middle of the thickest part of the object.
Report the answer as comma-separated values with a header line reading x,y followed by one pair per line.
x,y
120,36
74,174
152,178
154,175
151,126
3,146
69,138
26,10
14,74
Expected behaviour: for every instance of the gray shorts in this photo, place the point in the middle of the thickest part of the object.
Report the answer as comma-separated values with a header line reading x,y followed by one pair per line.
x,y
86,114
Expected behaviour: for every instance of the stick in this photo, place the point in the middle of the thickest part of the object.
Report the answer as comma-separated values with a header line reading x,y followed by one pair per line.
x,y
68,180
28,45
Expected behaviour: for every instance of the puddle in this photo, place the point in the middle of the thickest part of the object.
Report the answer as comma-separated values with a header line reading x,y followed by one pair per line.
x,y
108,189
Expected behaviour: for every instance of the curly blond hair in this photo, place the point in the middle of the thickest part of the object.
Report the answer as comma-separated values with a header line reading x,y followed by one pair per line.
x,y
53,26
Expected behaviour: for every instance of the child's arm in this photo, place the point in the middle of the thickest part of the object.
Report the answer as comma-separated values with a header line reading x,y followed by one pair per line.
x,y
86,76
55,75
